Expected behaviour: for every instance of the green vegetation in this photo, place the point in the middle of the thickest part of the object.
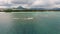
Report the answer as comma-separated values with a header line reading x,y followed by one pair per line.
x,y
10,10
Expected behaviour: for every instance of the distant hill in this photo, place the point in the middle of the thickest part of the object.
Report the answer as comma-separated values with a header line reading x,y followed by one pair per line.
x,y
22,8
56,9
37,9
44,9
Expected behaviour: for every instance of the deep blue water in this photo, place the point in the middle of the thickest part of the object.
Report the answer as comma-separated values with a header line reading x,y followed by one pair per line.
x,y
30,23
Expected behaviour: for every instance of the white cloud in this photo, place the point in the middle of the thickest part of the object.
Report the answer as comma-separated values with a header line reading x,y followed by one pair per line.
x,y
3,6
46,3
13,3
4,3
30,3
38,2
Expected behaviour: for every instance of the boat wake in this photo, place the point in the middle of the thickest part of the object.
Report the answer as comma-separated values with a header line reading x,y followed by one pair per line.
x,y
30,18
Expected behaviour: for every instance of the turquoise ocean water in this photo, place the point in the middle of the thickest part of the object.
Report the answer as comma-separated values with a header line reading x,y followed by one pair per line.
x,y
30,23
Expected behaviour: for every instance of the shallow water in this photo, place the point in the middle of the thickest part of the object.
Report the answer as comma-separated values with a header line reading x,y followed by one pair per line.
x,y
30,23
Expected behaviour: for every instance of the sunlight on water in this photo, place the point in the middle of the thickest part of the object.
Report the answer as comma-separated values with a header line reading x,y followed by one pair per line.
x,y
5,22
5,17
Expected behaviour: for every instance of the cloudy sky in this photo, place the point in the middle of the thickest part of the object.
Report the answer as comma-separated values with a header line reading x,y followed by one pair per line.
x,y
30,3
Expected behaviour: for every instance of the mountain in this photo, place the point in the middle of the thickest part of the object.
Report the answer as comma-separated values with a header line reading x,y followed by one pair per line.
x,y
20,7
